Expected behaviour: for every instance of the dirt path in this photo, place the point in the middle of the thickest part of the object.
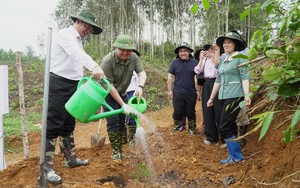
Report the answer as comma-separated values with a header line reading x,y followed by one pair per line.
x,y
176,160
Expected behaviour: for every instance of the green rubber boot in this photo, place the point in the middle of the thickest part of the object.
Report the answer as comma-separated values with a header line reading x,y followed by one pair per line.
x,y
192,126
123,136
177,125
132,130
115,142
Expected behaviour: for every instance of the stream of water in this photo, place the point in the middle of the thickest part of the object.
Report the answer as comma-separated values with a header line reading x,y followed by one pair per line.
x,y
160,145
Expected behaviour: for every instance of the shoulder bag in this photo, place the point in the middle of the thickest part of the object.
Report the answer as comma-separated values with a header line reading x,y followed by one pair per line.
x,y
200,79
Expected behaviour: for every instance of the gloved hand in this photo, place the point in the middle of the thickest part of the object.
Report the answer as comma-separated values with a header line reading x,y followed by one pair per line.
x,y
130,111
139,92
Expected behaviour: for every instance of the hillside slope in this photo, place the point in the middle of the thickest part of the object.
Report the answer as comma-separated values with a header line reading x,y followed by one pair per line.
x,y
174,159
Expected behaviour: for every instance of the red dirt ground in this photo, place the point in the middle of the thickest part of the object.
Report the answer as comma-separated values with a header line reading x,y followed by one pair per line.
x,y
178,159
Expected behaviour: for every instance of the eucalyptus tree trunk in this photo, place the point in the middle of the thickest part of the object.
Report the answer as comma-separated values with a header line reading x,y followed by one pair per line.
x,y
162,42
124,15
121,18
248,27
151,32
111,25
227,14
136,27
142,46
176,23
163,36
140,41
192,31
192,27
218,19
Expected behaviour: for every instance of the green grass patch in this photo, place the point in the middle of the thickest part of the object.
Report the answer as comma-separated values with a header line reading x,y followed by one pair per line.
x,y
12,123
13,129
142,173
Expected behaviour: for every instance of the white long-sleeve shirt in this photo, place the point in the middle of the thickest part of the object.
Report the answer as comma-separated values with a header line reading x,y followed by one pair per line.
x,y
134,82
67,55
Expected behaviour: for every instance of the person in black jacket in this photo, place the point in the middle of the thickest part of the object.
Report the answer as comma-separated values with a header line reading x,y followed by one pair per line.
x,y
183,92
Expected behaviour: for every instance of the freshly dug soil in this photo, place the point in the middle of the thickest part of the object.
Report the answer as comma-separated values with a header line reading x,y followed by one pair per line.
x,y
173,159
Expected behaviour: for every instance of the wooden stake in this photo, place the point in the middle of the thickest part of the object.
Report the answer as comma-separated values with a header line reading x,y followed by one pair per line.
x,y
22,106
252,61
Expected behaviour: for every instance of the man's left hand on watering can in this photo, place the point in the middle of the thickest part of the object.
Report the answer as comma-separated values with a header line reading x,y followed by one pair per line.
x,y
98,73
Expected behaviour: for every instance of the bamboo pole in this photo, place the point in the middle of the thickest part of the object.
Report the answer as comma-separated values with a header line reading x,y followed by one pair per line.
x,y
22,106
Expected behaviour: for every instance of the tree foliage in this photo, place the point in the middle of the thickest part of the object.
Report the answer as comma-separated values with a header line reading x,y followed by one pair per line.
x,y
154,23
279,42
271,28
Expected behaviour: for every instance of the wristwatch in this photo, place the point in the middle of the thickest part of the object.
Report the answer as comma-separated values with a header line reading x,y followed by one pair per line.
x,y
141,86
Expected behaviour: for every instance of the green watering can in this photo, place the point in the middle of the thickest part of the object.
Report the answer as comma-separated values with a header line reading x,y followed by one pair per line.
x,y
139,105
90,96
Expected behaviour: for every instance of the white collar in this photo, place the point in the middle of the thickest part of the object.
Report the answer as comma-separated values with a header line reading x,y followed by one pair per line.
x,y
229,58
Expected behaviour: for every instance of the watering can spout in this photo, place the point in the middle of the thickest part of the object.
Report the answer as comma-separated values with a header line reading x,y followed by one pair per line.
x,y
105,114
113,112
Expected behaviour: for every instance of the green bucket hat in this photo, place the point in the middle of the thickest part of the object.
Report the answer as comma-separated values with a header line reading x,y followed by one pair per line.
x,y
183,45
87,17
239,44
124,42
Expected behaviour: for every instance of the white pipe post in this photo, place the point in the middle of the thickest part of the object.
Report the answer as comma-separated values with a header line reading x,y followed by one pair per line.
x,y
4,109
2,157
43,179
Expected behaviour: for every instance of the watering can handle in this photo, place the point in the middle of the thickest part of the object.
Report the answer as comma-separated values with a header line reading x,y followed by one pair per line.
x,y
81,81
106,82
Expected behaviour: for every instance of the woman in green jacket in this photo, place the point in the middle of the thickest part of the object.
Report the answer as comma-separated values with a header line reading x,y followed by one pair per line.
x,y
232,83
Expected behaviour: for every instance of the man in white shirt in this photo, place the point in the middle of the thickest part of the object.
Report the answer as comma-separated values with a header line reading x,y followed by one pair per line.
x,y
131,124
68,60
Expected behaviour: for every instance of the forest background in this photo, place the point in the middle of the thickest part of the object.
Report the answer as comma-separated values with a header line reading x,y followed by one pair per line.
x,y
270,27
157,26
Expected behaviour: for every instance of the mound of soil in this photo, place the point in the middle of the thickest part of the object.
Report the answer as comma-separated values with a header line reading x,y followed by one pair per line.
x,y
172,159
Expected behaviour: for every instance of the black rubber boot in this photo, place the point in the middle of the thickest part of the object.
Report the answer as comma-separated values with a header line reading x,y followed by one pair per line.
x,y
68,149
52,177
